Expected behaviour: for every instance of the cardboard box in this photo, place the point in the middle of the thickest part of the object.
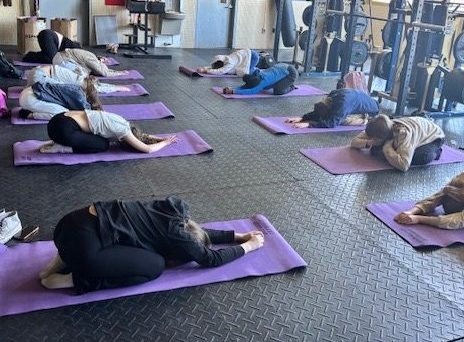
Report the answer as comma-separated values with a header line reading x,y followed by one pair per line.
x,y
28,29
66,26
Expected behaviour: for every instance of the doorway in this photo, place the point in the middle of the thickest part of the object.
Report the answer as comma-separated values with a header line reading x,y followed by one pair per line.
x,y
214,23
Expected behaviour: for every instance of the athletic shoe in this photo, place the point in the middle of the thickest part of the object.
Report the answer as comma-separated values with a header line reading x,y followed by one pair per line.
x,y
10,225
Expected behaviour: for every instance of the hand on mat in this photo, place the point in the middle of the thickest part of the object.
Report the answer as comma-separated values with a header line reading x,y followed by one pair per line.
x,y
244,237
202,70
123,88
227,90
293,119
303,124
406,218
255,242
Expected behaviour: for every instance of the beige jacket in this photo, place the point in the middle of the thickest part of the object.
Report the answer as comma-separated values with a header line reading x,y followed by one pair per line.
x,y
409,133
450,221
86,60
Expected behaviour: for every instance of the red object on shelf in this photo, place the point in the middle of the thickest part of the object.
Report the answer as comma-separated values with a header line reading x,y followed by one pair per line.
x,y
115,2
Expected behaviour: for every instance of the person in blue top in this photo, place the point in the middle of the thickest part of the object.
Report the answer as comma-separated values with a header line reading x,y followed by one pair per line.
x,y
279,77
337,108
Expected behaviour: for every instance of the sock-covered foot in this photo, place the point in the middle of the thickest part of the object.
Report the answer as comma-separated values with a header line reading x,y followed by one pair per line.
x,y
55,148
56,265
58,281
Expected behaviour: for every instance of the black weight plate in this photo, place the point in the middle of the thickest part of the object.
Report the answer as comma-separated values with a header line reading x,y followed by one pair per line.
x,y
307,15
361,24
388,33
359,53
383,65
458,48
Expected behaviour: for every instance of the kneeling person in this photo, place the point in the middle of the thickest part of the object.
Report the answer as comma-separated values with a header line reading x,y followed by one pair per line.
x,y
402,142
281,78
341,107
451,197
91,131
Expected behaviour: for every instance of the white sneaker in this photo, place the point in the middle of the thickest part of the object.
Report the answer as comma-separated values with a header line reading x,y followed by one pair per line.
x,y
10,225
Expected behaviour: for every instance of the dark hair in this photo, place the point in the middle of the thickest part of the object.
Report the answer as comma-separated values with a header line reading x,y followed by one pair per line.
x,y
379,128
92,94
217,65
341,84
251,81
197,233
143,137
322,108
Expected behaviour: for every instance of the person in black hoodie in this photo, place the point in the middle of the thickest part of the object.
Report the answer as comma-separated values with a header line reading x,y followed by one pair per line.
x,y
122,243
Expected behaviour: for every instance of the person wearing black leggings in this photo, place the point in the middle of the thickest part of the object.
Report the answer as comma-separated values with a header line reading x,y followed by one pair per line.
x,y
122,243
91,131
50,43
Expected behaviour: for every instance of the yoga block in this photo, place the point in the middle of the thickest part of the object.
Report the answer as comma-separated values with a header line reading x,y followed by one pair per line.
x,y
66,26
28,29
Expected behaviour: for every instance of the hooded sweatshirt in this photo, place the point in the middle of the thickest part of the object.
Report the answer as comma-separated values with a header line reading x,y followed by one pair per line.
x,y
237,63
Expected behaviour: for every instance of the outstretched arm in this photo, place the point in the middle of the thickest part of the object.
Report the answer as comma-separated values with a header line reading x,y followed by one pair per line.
x,y
450,221
142,147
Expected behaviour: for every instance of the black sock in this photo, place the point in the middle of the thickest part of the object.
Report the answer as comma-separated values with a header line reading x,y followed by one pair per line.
x,y
24,113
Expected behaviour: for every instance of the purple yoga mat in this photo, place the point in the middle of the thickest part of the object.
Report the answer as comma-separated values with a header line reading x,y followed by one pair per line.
x,y
27,152
277,125
131,75
135,90
417,235
110,61
20,289
302,90
133,112
343,159
193,73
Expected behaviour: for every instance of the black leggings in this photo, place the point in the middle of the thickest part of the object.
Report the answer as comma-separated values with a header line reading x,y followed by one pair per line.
x,y
65,131
423,155
48,42
94,267
285,85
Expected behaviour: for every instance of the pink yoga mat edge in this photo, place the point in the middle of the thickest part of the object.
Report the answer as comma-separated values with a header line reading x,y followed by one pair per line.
x,y
27,295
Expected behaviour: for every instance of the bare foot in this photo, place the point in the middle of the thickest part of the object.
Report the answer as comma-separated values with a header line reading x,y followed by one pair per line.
x,y
54,266
58,281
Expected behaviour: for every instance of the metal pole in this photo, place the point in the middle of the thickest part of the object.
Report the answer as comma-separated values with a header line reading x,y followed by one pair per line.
x,y
396,48
346,57
406,72
278,28
309,46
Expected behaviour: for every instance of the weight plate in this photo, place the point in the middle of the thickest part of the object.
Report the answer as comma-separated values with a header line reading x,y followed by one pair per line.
x,y
361,24
383,65
458,48
359,52
307,15
388,33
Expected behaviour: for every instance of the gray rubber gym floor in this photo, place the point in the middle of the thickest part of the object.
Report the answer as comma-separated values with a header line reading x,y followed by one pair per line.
x,y
363,282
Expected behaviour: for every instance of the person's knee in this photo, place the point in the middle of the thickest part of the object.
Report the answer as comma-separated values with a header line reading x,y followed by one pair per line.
x,y
156,265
